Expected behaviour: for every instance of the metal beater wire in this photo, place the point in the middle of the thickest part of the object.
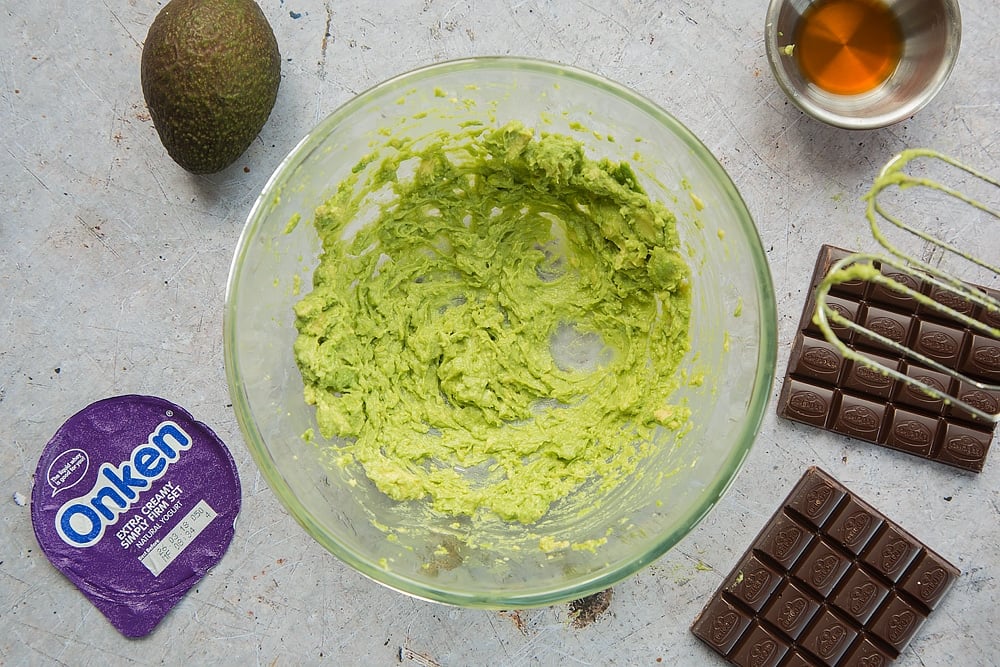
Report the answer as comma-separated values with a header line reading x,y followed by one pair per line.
x,y
861,265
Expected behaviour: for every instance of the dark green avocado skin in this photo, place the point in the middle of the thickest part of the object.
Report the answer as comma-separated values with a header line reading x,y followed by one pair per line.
x,y
210,73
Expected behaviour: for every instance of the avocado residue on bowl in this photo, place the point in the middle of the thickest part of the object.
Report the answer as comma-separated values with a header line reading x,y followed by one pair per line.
x,y
504,329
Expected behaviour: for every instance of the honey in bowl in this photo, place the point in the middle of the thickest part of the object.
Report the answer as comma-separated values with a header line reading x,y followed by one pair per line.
x,y
848,47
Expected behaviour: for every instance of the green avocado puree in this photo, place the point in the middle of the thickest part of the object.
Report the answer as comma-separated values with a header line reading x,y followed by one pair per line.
x,y
505,331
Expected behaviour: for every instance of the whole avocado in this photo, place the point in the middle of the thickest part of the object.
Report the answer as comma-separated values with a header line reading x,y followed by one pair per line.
x,y
210,73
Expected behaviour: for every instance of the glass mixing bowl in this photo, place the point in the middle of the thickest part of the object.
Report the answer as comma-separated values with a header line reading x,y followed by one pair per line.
x,y
733,344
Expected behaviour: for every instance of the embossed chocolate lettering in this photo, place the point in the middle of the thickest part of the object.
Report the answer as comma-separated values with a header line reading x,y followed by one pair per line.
x,y
966,448
987,357
861,597
785,541
754,583
913,433
892,553
861,418
791,612
855,527
841,310
902,279
821,360
816,499
929,583
919,393
888,327
829,640
723,626
823,568
872,377
938,343
762,652
952,300
978,398
808,403
900,624
873,660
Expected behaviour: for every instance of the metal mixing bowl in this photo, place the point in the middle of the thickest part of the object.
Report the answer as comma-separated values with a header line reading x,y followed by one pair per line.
x,y
500,565
932,32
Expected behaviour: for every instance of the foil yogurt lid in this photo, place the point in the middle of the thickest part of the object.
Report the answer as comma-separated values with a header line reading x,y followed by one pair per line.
x,y
134,501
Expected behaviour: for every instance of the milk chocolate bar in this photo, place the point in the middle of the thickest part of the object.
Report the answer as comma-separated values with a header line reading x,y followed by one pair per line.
x,y
824,389
829,581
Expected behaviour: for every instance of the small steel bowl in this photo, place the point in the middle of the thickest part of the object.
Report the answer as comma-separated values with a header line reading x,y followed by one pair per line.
x,y
932,32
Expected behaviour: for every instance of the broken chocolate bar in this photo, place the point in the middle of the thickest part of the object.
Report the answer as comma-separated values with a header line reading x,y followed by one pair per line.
x,y
824,389
828,581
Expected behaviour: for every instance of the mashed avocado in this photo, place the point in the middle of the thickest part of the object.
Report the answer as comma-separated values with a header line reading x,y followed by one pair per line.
x,y
506,330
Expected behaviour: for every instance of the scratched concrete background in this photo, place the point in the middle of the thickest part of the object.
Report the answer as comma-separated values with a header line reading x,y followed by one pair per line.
x,y
113,263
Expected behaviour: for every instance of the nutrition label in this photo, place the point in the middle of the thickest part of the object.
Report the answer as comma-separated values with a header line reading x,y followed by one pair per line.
x,y
179,537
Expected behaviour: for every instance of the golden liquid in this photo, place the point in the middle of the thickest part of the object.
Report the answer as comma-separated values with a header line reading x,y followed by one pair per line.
x,y
848,47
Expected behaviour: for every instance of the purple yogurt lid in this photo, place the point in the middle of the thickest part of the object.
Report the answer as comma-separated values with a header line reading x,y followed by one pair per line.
x,y
134,501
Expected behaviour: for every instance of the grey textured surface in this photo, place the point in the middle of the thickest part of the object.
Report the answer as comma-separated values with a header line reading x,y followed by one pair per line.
x,y
113,263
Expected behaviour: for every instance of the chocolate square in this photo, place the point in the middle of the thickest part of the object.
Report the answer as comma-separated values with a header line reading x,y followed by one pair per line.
x,y
721,625
797,659
897,621
854,525
985,399
916,396
941,343
887,295
860,595
890,552
986,315
846,308
815,499
822,567
887,323
928,579
964,446
982,358
817,359
829,637
859,417
946,297
753,582
912,432
807,402
854,288
864,653
760,647
791,609
783,541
